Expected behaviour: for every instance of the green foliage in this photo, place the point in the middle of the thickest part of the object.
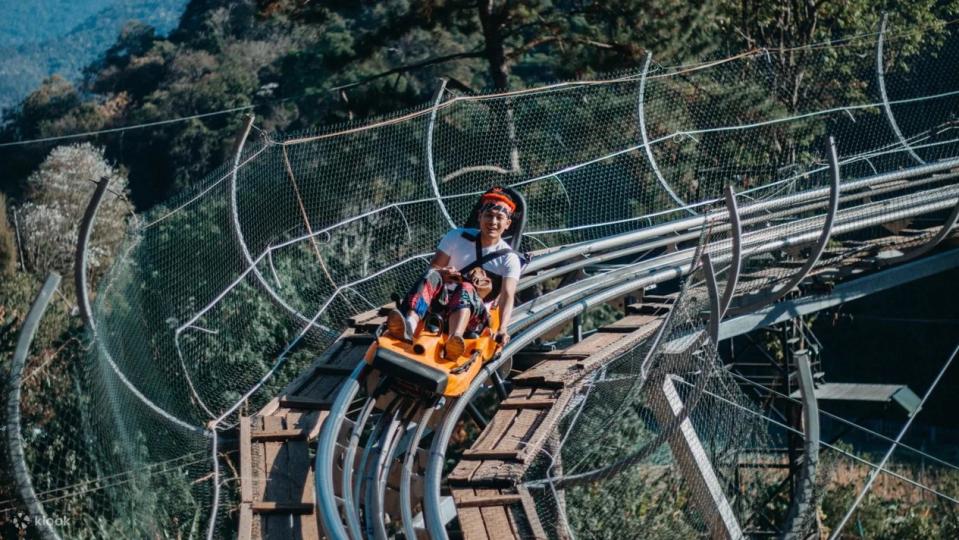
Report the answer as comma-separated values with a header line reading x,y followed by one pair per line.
x,y
298,62
892,509
294,58
8,241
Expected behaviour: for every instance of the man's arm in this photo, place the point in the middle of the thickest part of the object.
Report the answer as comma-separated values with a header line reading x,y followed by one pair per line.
x,y
505,302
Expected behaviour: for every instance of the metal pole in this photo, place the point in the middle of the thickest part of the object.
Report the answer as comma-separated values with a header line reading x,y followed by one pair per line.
x,y
429,153
476,415
886,107
875,472
80,258
238,232
16,227
641,117
325,457
803,503
14,437
736,231
929,245
712,290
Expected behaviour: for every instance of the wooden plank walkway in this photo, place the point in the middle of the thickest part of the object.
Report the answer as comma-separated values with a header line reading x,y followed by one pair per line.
x,y
277,487
484,483
276,468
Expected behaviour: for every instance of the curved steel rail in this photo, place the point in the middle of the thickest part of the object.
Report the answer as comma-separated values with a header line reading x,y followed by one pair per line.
x,y
563,307
406,506
326,458
641,117
384,467
241,241
817,250
80,257
929,245
886,107
655,352
774,238
712,288
346,480
374,459
434,521
604,244
82,294
736,231
21,474
429,152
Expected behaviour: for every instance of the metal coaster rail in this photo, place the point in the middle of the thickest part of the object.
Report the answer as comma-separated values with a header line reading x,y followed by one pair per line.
x,y
403,424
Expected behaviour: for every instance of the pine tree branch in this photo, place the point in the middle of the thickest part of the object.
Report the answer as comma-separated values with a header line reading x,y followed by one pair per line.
x,y
411,67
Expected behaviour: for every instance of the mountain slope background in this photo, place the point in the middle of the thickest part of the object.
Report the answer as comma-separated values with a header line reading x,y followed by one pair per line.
x,y
305,63
43,38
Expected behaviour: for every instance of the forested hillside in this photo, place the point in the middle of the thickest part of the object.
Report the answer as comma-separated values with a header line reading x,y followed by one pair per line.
x,y
63,37
306,63
300,65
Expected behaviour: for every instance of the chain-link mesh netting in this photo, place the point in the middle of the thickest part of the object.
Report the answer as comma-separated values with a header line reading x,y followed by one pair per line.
x,y
220,297
626,459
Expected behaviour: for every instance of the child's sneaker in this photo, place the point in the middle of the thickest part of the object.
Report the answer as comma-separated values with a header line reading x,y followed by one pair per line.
x,y
455,346
397,326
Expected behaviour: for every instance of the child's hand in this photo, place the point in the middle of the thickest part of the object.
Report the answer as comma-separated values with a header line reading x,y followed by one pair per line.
x,y
450,274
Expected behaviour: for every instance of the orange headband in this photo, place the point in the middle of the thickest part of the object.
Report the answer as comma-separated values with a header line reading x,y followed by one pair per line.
x,y
499,198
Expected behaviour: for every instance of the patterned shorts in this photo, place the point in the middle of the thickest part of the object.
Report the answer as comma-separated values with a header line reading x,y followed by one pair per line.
x,y
430,294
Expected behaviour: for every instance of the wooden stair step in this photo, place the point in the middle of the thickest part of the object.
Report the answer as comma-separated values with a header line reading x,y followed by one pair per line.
x,y
629,323
278,435
284,507
487,501
505,455
304,402
621,329
659,298
648,308
513,403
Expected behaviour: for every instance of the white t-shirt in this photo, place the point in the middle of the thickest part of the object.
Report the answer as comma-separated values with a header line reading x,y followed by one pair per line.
x,y
462,252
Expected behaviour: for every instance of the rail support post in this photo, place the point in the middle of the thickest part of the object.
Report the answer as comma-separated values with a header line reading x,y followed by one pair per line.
x,y
500,385
803,505
476,415
693,461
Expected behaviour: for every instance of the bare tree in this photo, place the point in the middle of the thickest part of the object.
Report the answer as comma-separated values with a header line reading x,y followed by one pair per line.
x,y
58,193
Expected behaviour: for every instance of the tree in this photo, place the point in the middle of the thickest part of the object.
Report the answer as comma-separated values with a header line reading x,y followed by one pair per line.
x,y
377,58
58,193
8,246
788,28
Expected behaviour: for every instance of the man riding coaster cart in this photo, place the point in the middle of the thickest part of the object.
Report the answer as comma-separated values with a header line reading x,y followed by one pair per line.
x,y
455,317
